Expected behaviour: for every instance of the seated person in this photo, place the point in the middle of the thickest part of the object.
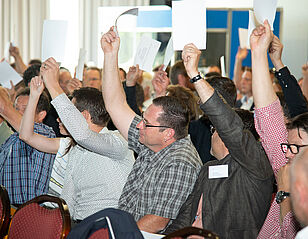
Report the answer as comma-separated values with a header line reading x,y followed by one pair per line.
x,y
232,194
99,164
18,160
167,164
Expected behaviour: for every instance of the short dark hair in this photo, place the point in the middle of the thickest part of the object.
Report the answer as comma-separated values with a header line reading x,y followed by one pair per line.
x,y
210,74
248,121
175,115
188,97
177,69
225,87
121,69
91,99
35,61
299,122
43,103
30,72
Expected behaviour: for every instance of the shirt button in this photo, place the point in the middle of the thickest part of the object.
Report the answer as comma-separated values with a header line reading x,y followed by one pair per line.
x,y
279,74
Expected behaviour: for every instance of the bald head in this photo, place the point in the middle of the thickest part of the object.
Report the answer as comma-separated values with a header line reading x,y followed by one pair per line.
x,y
299,186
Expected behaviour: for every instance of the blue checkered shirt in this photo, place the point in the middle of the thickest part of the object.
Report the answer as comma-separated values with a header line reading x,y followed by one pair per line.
x,y
25,171
159,183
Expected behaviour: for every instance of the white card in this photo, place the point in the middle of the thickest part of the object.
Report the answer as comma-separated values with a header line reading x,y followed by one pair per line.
x,y
243,37
222,66
168,53
251,26
264,9
146,52
8,73
7,51
219,171
189,23
54,40
80,66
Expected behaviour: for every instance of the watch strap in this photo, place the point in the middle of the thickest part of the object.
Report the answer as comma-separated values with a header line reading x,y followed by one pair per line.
x,y
196,78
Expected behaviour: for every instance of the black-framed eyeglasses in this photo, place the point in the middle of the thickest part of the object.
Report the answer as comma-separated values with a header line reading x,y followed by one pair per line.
x,y
294,148
151,126
212,129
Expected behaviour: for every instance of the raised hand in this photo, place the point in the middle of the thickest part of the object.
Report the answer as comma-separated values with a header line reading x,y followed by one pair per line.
x,y
50,72
4,99
261,37
191,55
133,75
73,84
160,82
275,52
241,53
14,51
36,87
110,42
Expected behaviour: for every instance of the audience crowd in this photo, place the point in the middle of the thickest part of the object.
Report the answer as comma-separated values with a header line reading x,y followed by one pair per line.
x,y
224,155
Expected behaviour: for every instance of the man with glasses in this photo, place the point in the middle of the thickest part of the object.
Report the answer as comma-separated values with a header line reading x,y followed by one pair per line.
x,y
167,165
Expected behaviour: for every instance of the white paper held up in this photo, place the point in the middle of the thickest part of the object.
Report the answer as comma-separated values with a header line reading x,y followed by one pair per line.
x,y
146,52
264,9
168,53
133,11
243,37
7,73
80,66
54,39
7,51
189,23
222,66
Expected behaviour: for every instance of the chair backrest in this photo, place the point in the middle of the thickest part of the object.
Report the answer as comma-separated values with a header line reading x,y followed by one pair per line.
x,y
189,231
4,211
34,221
100,234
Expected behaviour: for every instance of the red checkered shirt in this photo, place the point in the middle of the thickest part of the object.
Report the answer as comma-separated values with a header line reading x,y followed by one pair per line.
x,y
269,123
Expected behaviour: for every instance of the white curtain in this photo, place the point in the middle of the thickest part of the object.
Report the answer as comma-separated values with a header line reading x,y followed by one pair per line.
x,y
21,23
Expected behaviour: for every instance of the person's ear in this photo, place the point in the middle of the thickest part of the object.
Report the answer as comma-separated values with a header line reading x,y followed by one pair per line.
x,y
86,115
182,80
168,134
41,116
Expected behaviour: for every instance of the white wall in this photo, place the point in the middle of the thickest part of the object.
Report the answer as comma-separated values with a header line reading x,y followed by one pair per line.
x,y
293,29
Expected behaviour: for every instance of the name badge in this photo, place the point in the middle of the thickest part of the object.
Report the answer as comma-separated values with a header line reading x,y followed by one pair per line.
x,y
220,171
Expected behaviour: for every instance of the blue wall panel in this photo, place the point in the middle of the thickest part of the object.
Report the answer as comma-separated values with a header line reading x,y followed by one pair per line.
x,y
241,19
217,18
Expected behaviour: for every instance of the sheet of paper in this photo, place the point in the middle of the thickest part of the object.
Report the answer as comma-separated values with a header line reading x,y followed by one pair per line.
x,y
251,26
7,51
264,9
146,52
243,37
168,53
148,235
7,73
80,66
189,23
219,171
54,39
222,66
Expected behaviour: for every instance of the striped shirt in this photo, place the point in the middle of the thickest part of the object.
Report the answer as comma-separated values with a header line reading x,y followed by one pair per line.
x,y
159,183
25,171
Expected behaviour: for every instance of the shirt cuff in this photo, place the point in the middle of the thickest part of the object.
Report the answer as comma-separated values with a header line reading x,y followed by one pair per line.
x,y
283,75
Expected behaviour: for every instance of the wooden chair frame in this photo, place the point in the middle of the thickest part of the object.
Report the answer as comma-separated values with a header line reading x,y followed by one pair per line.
x,y
6,206
66,219
188,231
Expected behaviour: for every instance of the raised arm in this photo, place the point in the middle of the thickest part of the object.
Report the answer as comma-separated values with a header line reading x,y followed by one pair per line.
x,y
121,114
20,65
237,72
160,82
292,92
26,133
7,111
263,91
104,144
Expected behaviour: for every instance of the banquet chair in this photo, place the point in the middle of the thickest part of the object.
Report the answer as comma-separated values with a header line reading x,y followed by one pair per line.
x,y
34,220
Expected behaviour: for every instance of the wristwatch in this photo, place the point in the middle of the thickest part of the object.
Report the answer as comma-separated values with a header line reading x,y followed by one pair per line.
x,y
195,79
281,195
